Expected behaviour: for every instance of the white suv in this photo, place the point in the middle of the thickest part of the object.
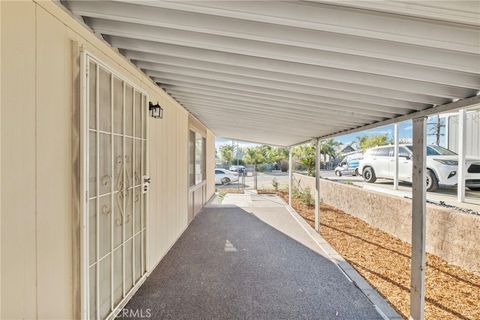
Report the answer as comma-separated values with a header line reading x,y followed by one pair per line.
x,y
442,166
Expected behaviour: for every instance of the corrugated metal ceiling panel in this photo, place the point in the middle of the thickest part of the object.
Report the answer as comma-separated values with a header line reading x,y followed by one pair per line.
x,y
285,72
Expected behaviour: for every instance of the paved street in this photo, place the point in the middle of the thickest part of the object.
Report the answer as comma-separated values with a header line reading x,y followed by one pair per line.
x,y
446,195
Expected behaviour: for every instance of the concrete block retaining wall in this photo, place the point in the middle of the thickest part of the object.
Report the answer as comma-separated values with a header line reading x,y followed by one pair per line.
x,y
451,234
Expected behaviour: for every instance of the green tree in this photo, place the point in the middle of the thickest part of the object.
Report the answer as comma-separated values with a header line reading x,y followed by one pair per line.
x,y
254,155
226,153
275,155
266,152
328,148
305,154
284,153
367,142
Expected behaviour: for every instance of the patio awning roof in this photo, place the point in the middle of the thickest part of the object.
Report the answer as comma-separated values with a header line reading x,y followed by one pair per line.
x,y
285,72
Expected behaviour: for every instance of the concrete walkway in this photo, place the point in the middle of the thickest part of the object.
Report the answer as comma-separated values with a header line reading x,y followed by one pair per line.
x,y
249,258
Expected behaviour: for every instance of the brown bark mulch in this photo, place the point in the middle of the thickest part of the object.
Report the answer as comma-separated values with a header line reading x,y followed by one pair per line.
x,y
230,190
266,191
384,261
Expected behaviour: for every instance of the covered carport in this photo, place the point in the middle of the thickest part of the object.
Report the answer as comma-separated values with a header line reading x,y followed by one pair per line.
x,y
284,73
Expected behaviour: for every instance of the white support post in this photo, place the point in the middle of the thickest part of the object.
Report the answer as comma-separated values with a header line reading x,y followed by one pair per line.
x,y
395,177
447,129
317,185
417,278
290,175
462,135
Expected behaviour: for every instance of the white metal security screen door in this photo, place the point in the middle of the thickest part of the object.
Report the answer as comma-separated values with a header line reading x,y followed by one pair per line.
x,y
115,149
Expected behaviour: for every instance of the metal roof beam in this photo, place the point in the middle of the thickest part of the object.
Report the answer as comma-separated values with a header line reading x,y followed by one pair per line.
x,y
181,27
337,19
289,90
294,63
346,105
306,56
232,113
300,105
260,137
185,98
316,119
295,81
266,124
463,12
274,125
214,60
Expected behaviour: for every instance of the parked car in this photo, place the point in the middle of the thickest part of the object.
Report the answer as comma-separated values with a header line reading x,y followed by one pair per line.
x,y
442,166
239,169
349,164
224,176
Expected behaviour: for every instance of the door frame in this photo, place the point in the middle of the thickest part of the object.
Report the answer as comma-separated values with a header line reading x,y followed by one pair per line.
x,y
85,57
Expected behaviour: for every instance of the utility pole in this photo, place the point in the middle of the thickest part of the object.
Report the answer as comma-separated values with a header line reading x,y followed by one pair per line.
x,y
233,150
236,155
436,130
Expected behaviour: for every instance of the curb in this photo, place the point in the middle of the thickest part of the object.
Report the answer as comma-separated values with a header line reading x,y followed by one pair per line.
x,y
380,304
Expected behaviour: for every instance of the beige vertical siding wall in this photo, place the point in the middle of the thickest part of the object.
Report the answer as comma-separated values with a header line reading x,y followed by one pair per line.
x,y
202,194
39,252
18,160
210,164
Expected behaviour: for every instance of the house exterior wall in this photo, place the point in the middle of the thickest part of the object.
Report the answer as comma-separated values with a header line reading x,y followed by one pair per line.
x,y
199,194
472,142
210,164
40,148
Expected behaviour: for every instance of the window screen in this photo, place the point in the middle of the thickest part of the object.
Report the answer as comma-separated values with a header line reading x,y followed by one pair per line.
x,y
197,158
191,158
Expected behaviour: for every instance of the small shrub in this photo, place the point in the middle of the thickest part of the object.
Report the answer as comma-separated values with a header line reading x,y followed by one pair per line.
x,y
304,196
275,184
284,165
221,196
307,197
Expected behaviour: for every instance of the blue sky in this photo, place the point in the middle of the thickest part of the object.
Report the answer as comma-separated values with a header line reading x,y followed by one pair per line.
x,y
404,129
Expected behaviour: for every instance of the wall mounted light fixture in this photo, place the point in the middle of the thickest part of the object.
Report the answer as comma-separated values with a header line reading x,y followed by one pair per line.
x,y
155,110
